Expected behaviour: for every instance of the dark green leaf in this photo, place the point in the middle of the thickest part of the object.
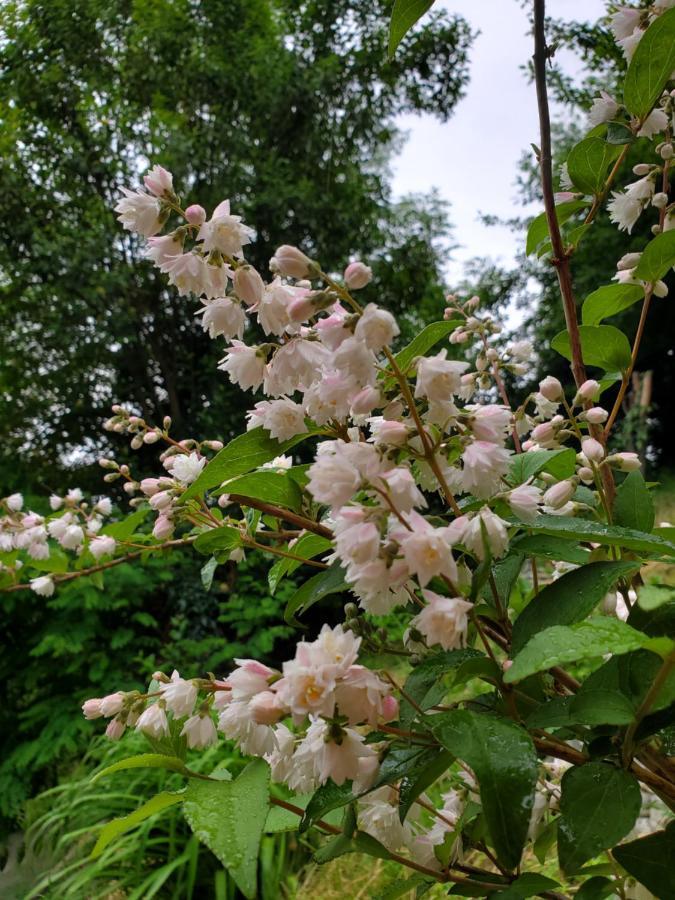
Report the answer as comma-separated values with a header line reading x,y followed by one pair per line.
x,y
277,488
425,340
415,783
554,713
568,599
359,843
650,66
599,533
425,684
123,530
330,581
560,463
207,572
596,888
618,133
308,546
633,504
113,829
601,345
550,547
143,761
537,231
588,162
658,256
218,540
229,817
609,300
505,763
403,16
599,805
650,860
329,796
528,885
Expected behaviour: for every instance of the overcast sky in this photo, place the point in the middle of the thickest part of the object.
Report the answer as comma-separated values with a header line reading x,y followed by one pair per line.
x,y
472,169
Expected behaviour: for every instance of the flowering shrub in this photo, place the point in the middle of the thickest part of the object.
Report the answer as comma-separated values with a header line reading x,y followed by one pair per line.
x,y
428,493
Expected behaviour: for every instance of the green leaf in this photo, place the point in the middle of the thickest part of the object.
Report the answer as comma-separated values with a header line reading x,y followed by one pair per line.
x,y
329,796
548,547
563,644
277,488
588,162
568,599
505,763
609,300
653,596
246,452
425,684
144,761
217,540
528,885
598,806
537,231
425,340
599,533
633,504
601,345
330,581
308,546
618,133
415,783
229,817
596,888
116,827
123,530
560,463
403,16
650,66
658,256
554,713
650,860
207,572
361,842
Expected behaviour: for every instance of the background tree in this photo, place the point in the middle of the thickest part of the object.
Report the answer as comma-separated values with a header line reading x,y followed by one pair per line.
x,y
286,107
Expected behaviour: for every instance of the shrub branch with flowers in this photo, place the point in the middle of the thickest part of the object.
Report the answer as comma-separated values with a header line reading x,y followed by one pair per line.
x,y
429,493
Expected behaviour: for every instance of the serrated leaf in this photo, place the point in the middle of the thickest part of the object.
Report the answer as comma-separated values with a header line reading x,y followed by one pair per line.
x,y
326,798
568,599
618,133
548,547
601,345
330,581
650,66
588,162
308,546
505,763
217,540
633,504
415,783
599,533
598,806
658,256
650,860
420,345
403,16
563,644
537,231
116,827
123,530
277,488
143,761
560,463
609,300
229,817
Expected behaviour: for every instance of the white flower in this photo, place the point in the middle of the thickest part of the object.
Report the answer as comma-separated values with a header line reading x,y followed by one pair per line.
x,y
282,418
189,272
102,546
237,724
199,731
559,494
426,550
153,721
355,359
333,479
43,586
376,327
379,816
179,695
656,121
248,285
72,538
249,678
280,759
496,534
103,506
139,212
272,308
484,464
75,495
439,378
294,366
359,695
490,422
187,467
443,620
223,316
624,21
603,109
624,210
331,329
15,502
55,502
224,232
338,761
245,366
379,586
163,248
524,501
331,397
629,43
400,487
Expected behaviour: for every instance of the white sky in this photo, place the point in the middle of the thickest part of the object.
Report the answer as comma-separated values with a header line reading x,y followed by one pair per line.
x,y
472,159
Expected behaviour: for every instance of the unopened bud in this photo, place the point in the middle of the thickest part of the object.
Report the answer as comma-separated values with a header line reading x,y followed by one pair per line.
x,y
628,261
357,275
588,391
151,437
366,401
667,151
551,388
642,169
166,423
660,289
560,494
593,450
586,474
195,214
596,415
292,262
626,462
248,285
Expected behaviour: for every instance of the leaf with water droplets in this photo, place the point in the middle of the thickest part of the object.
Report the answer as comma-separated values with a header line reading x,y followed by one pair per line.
x,y
599,805
229,817
650,860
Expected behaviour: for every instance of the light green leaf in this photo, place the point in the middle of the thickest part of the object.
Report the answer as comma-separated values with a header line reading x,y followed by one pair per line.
x,y
527,885
426,684
123,530
361,842
568,599
609,300
217,540
554,548
650,860
599,805
653,596
308,546
229,817
563,644
425,340
650,66
143,761
618,133
588,162
537,231
328,797
658,256
207,572
560,462
246,452
116,827
403,16
601,345
276,488
599,533
633,504
505,763
330,581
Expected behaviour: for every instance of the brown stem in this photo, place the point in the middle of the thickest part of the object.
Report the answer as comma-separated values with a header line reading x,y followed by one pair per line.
x,y
285,514
633,359
647,703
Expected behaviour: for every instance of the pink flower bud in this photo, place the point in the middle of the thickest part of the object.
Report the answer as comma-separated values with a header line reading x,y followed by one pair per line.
x,y
195,214
543,433
551,388
626,462
389,708
151,437
357,275
586,474
366,401
588,390
112,704
158,181
164,528
92,708
162,500
593,450
115,730
248,285
560,494
265,708
506,665
596,415
292,262
150,486
300,309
